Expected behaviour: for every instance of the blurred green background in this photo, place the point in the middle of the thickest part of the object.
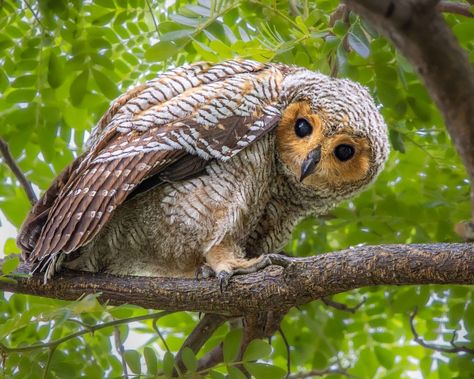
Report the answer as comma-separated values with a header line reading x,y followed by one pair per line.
x,y
63,62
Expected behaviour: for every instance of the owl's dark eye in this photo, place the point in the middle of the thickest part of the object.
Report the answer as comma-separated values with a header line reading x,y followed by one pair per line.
x,y
303,128
344,152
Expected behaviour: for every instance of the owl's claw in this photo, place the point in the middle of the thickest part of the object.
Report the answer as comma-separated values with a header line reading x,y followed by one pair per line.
x,y
258,264
223,277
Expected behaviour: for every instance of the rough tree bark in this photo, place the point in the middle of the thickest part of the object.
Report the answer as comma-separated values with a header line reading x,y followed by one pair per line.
x,y
275,288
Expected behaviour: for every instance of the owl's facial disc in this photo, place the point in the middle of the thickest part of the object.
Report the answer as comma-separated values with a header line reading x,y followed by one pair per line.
x,y
318,154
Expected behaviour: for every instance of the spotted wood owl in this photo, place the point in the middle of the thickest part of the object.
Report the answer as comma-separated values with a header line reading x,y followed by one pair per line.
x,y
207,166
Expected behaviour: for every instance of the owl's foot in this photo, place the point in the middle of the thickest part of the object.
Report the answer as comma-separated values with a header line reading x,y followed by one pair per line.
x,y
224,265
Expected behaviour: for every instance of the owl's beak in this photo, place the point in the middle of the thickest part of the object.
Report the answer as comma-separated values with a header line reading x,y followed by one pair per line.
x,y
310,163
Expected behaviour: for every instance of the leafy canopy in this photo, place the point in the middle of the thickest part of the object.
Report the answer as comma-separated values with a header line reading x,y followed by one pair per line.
x,y
61,63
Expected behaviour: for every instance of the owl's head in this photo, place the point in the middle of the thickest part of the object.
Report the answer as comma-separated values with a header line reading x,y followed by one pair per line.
x,y
331,137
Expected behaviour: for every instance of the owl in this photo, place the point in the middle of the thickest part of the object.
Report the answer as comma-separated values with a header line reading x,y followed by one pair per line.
x,y
207,168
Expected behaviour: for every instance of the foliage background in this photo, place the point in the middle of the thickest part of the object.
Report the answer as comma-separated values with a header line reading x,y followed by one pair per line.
x,y
62,62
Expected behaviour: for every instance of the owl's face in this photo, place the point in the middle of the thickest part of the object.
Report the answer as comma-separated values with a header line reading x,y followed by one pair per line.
x,y
331,137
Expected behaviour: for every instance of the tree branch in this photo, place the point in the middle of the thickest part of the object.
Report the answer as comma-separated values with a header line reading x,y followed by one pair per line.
x,y
314,373
273,289
10,162
418,30
456,8
341,306
442,349
199,336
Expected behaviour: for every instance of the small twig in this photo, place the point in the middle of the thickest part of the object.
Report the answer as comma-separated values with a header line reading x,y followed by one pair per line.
x,y
341,12
34,15
210,359
165,344
10,162
153,16
48,362
120,350
288,352
456,8
294,11
313,373
157,331
442,349
341,306
79,322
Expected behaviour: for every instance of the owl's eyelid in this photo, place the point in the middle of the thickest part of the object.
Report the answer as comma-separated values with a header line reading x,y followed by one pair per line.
x,y
299,117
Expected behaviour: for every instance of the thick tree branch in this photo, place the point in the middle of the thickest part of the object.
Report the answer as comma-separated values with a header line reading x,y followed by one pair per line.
x,y
273,289
10,162
199,336
418,30
456,8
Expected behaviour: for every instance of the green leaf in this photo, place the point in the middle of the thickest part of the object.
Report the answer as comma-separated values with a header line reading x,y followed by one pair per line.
x,y
161,51
232,345
24,81
469,316
105,3
15,208
3,80
107,86
183,20
358,45
133,360
10,264
176,35
11,247
263,371
385,357
464,31
341,56
199,10
150,360
168,364
383,337
189,359
216,375
55,70
397,140
340,28
257,349
21,96
235,373
78,88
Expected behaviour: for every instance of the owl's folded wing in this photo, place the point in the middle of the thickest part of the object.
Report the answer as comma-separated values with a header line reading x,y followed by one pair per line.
x,y
101,182
163,131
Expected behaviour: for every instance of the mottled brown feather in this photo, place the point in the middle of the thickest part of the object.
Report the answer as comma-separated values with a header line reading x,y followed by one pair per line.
x,y
62,222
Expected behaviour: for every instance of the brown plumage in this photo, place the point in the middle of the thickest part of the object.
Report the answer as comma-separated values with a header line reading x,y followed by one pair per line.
x,y
204,165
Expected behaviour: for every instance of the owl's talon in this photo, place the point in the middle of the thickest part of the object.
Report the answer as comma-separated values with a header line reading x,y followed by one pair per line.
x,y
223,277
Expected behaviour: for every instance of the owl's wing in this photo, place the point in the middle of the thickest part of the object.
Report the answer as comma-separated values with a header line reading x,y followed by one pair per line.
x,y
145,138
